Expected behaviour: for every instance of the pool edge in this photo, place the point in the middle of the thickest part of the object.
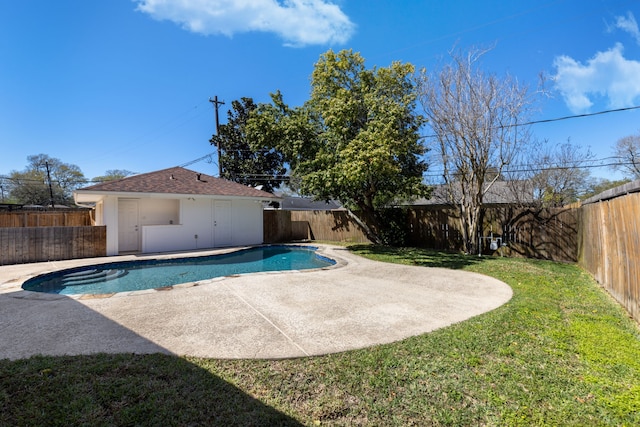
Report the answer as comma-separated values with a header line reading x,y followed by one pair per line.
x,y
13,287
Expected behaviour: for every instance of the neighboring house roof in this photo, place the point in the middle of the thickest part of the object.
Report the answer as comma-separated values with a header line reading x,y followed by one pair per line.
x,y
174,181
289,203
501,192
10,206
621,190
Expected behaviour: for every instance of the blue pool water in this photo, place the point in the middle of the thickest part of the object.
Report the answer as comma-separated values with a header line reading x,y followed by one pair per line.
x,y
150,274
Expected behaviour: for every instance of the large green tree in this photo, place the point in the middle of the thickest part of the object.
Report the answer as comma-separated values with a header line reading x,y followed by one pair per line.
x,y
293,132
357,138
113,175
45,181
245,161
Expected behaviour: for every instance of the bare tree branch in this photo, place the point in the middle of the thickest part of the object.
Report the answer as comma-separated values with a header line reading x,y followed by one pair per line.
x,y
474,116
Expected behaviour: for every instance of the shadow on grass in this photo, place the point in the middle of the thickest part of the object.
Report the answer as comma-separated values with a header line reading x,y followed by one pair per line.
x,y
103,383
124,389
417,256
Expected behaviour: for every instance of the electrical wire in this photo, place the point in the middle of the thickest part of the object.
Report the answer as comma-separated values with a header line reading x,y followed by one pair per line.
x,y
517,168
555,119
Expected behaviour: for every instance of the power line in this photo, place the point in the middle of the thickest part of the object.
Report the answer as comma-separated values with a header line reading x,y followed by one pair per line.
x,y
208,157
575,116
555,119
164,129
533,168
578,164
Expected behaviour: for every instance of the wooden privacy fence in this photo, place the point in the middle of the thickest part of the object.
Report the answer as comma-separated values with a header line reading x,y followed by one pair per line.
x,y
332,226
549,233
610,243
20,245
57,218
535,233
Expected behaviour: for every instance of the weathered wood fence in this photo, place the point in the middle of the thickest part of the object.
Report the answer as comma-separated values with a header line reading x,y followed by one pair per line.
x,y
609,244
535,233
35,236
56,218
603,235
332,226
20,245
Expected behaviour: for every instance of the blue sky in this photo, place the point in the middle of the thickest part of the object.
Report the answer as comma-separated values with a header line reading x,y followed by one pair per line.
x,y
124,84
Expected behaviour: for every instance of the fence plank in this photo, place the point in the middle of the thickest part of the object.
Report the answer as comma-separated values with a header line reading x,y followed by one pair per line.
x,y
336,226
610,246
533,233
67,218
35,244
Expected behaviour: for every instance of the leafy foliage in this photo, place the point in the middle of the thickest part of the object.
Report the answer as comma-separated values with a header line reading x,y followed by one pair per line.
x,y
394,232
598,185
356,139
32,185
369,154
112,175
243,159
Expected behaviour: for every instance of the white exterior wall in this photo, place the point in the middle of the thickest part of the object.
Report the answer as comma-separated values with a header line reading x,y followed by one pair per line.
x,y
159,211
172,224
110,219
195,219
247,222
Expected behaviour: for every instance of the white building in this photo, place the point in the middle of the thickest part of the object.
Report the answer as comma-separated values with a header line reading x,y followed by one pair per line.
x,y
175,209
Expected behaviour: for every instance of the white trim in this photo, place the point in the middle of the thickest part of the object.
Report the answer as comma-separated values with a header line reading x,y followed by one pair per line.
x,y
81,196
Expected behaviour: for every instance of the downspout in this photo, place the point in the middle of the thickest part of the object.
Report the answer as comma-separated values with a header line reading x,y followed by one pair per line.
x,y
80,204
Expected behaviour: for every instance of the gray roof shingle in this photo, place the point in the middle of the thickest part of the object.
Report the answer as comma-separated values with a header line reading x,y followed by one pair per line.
x,y
501,192
177,180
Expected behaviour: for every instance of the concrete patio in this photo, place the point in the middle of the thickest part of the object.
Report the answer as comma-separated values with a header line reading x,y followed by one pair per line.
x,y
357,303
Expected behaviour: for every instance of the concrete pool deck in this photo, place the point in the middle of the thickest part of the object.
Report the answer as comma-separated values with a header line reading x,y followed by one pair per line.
x,y
357,303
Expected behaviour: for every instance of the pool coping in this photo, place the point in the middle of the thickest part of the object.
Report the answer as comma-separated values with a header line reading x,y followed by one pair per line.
x,y
13,287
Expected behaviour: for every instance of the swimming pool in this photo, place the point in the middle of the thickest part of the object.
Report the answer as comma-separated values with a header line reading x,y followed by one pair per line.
x,y
150,274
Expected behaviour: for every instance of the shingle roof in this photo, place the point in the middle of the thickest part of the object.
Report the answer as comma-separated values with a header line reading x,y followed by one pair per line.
x,y
501,192
307,204
177,180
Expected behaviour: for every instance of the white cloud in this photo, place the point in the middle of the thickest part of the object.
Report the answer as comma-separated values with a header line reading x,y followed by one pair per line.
x,y
608,74
297,22
629,25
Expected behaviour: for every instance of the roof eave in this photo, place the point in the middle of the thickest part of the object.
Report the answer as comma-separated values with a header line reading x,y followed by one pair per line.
x,y
85,196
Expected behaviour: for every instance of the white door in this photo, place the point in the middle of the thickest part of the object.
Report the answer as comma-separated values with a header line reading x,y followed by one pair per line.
x,y
128,226
222,223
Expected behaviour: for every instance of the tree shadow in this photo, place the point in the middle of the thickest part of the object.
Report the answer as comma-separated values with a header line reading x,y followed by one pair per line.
x,y
62,363
549,233
419,256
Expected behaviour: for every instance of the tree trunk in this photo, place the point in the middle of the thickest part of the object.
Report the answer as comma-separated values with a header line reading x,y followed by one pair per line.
x,y
372,233
470,227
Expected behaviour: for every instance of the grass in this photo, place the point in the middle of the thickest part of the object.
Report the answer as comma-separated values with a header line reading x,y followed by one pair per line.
x,y
561,352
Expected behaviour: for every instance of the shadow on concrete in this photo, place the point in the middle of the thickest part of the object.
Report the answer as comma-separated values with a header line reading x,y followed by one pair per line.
x,y
56,325
69,365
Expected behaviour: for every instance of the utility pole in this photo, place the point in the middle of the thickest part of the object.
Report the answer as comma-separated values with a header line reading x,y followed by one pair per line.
x,y
216,105
46,164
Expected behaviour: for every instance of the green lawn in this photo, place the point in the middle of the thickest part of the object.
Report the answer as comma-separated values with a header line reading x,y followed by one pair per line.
x,y
561,352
